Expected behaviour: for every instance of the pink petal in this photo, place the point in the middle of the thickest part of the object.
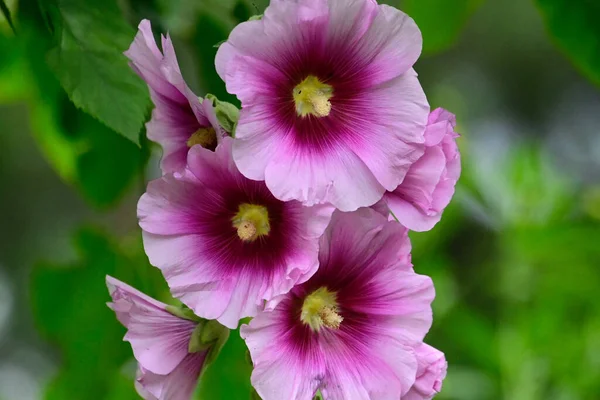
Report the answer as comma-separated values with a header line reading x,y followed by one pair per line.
x,y
396,133
378,371
431,372
393,44
255,145
428,187
158,338
177,385
366,52
146,60
343,179
386,309
178,112
188,234
279,371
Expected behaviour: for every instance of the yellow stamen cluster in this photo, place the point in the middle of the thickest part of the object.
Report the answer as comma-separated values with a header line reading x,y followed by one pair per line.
x,y
312,97
251,221
205,137
320,309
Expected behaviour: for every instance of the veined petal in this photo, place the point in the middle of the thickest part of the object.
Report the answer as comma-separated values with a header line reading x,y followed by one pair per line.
x,y
159,339
177,385
356,57
189,228
351,329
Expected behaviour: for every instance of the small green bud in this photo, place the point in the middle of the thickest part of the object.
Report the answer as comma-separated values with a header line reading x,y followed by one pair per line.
x,y
208,335
227,114
255,17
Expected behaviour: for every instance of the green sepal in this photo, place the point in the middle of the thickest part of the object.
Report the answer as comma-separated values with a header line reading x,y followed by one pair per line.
x,y
208,335
227,114
184,313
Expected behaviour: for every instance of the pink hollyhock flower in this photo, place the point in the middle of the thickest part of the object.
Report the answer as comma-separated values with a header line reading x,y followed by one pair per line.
x,y
418,202
430,373
329,97
223,242
180,119
350,330
166,346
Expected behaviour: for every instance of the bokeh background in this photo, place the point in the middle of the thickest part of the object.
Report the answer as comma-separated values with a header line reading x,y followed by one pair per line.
x,y
515,259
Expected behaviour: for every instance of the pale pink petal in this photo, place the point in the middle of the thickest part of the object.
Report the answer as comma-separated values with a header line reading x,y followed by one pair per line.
x,y
343,179
393,44
159,339
397,131
178,112
377,371
146,60
165,208
149,382
431,372
280,371
428,187
171,71
350,20
177,385
255,144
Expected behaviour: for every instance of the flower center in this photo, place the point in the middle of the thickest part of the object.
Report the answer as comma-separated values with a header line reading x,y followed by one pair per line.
x,y
320,309
312,97
251,222
205,137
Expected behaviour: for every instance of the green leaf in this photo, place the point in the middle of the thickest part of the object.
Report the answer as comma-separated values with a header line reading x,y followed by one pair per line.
x,y
6,12
440,21
69,308
89,63
574,26
85,153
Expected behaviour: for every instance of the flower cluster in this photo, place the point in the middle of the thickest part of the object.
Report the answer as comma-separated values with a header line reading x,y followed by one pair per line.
x,y
294,211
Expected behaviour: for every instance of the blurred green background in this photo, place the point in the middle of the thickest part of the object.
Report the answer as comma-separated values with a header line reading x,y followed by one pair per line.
x,y
515,259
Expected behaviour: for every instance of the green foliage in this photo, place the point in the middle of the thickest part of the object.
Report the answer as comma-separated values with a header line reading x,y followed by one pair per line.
x,y
440,21
6,12
69,306
87,59
84,152
575,29
228,377
101,163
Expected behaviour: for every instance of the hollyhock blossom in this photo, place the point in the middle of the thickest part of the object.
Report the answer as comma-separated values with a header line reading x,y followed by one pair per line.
x,y
223,242
171,349
180,119
329,97
418,202
350,330
431,371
